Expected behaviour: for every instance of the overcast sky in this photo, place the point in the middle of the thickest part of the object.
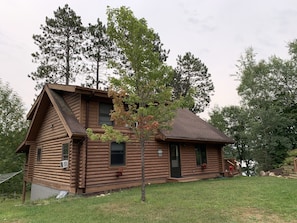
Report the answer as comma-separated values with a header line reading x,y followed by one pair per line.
x,y
215,31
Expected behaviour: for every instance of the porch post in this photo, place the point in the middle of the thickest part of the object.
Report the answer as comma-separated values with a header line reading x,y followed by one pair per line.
x,y
24,191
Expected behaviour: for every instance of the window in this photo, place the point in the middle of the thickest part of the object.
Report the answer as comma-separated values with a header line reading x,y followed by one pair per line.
x,y
104,114
65,151
117,154
38,157
200,150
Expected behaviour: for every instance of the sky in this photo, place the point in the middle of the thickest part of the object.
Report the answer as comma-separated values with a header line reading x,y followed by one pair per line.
x,y
216,31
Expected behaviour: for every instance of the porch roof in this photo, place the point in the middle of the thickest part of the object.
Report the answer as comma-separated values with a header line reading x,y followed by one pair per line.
x,y
188,127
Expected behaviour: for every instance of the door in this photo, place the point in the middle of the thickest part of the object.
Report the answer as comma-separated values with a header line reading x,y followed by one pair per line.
x,y
175,160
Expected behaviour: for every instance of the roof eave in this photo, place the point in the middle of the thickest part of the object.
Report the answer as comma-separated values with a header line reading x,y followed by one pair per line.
x,y
193,140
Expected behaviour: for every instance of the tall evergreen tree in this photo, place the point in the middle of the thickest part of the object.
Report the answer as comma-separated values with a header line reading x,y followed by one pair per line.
x,y
192,81
97,49
59,48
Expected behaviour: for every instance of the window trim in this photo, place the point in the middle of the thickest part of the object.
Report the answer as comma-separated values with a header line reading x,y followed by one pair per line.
x,y
201,153
124,155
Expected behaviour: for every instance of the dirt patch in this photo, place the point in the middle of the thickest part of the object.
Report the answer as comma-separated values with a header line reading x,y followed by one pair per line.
x,y
251,214
112,208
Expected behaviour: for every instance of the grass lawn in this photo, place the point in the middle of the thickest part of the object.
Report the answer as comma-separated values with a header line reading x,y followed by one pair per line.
x,y
239,199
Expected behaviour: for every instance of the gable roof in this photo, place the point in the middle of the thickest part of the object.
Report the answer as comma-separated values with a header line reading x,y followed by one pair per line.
x,y
48,95
66,88
188,127
70,122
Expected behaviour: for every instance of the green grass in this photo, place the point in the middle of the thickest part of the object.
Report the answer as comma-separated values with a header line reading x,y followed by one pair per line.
x,y
239,199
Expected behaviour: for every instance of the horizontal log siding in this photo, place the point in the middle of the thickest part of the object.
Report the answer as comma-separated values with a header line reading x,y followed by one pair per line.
x,y
29,166
156,167
74,103
73,154
188,160
93,114
82,165
50,138
101,176
51,127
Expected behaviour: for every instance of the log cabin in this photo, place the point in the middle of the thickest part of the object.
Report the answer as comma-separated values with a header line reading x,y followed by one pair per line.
x,y
60,157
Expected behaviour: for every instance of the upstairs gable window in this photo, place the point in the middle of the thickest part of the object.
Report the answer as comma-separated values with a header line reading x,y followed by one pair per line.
x,y
104,114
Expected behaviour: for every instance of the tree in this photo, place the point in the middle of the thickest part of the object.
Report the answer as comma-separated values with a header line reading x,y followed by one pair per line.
x,y
59,55
163,54
122,61
234,122
141,94
268,92
12,131
97,49
193,82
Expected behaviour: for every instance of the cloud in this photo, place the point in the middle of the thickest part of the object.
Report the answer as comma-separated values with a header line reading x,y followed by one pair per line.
x,y
285,19
202,25
197,20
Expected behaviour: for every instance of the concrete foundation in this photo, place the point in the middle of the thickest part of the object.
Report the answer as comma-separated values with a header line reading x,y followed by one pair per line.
x,y
42,192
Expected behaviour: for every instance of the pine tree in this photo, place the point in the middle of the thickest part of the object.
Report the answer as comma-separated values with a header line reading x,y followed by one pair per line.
x,y
192,81
97,50
59,49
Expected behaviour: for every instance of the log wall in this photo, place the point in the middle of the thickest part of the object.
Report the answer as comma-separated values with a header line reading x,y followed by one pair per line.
x,y
50,138
89,161
74,103
102,176
188,160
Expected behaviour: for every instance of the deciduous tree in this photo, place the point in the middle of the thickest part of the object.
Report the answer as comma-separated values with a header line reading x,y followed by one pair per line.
x,y
268,90
12,131
141,94
234,122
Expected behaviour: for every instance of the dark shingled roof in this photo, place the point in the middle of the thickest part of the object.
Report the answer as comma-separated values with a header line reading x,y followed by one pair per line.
x,y
189,127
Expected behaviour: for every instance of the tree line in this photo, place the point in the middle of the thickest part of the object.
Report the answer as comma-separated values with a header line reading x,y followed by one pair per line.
x,y
264,124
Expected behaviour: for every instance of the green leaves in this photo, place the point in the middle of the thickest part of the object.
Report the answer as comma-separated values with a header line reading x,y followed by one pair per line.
x,y
110,134
268,92
141,95
145,80
12,131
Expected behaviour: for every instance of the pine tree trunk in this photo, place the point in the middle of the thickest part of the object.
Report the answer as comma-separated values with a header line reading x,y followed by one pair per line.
x,y
67,75
97,75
